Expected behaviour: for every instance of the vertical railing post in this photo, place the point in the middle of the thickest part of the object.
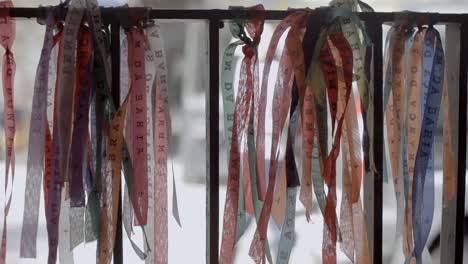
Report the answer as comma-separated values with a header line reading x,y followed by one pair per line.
x,y
115,56
375,33
212,140
446,243
459,232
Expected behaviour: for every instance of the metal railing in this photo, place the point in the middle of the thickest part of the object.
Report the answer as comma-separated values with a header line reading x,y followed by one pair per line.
x,y
116,17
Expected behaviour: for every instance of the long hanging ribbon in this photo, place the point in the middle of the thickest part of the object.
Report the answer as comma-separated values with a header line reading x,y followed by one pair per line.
x,y
414,118
281,106
7,35
54,183
295,46
355,163
260,100
389,43
105,107
394,120
353,208
152,173
423,188
93,205
80,126
102,80
51,89
137,74
79,136
229,222
352,168
288,178
65,78
160,188
66,94
240,123
296,56
227,78
139,144
127,212
295,51
37,137
162,75
127,216
330,228
162,132
316,82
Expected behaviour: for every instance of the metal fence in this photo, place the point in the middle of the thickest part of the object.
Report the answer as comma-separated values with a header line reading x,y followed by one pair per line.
x,y
452,252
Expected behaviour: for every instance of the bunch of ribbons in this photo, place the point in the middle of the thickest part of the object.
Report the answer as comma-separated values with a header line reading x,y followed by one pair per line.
x,y
322,78
414,84
82,137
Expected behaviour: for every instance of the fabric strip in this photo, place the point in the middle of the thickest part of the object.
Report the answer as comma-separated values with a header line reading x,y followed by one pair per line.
x,y
37,137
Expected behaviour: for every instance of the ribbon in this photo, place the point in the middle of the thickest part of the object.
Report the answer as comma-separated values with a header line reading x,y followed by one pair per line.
x,y
127,205
394,121
160,188
242,110
281,106
317,85
413,130
294,53
115,142
228,96
261,97
93,206
37,137
139,142
150,86
389,43
329,244
51,89
79,135
65,77
7,35
103,73
423,187
80,126
54,182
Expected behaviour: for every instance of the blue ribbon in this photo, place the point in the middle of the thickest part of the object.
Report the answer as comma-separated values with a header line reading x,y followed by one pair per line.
x,y
423,188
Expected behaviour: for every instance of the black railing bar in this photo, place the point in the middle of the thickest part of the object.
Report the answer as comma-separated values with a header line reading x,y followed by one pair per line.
x,y
461,170
212,140
375,33
222,14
